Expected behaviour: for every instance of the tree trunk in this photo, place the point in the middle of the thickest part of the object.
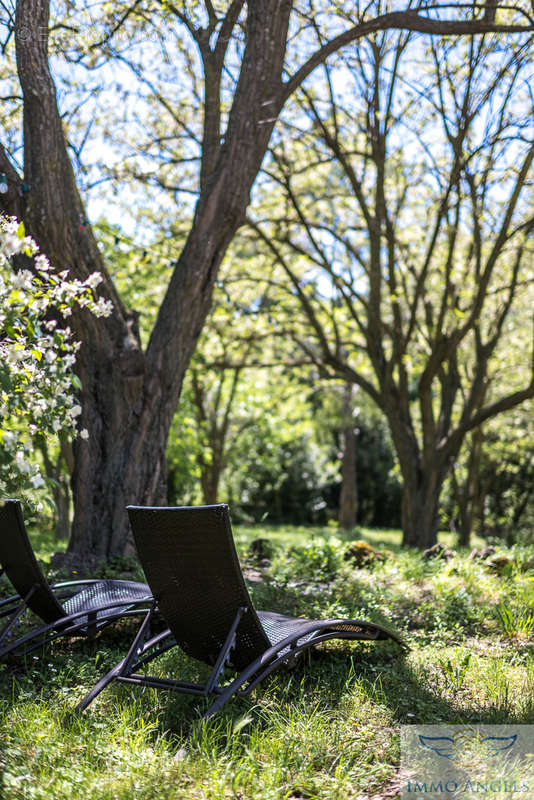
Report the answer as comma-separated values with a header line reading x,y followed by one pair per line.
x,y
210,488
423,475
468,496
129,397
62,501
210,477
348,499
420,503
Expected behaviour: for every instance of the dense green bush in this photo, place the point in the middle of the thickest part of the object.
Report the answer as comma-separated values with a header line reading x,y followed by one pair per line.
x,y
280,482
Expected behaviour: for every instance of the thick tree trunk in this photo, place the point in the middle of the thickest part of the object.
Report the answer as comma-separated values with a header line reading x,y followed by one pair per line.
x,y
420,514
129,397
423,475
348,499
210,487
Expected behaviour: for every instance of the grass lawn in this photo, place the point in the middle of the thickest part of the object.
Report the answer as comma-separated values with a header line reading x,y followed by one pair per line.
x,y
329,728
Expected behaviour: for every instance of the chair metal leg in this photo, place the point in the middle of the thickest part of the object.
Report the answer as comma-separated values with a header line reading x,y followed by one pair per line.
x,y
139,639
224,655
120,668
139,654
92,626
18,613
72,625
272,660
98,687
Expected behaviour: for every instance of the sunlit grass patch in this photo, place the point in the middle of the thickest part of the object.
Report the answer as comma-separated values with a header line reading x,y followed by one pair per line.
x,y
329,728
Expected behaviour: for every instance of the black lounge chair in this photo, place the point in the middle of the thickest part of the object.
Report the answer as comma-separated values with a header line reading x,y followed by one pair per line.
x,y
191,565
70,608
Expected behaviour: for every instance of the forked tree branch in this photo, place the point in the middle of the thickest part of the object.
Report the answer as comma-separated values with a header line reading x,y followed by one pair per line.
x,y
399,20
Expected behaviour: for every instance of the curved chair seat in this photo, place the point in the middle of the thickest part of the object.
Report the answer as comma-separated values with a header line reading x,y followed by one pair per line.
x,y
80,608
191,565
102,598
280,626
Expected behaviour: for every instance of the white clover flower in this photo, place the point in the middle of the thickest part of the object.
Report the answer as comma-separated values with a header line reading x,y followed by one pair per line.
x,y
84,433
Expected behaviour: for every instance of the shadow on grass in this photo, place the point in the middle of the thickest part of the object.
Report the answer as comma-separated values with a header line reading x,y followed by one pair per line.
x,y
337,678
358,680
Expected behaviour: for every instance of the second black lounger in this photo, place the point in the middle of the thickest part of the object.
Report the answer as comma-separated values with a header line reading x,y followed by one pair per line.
x,y
74,608
191,565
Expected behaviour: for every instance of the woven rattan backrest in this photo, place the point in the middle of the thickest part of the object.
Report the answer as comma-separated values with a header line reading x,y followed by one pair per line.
x,y
189,558
18,560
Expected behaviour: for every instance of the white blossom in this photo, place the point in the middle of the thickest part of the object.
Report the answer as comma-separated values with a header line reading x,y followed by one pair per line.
x,y
37,480
94,280
36,355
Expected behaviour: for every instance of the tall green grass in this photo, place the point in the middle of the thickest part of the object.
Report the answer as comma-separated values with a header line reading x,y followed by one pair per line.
x,y
329,728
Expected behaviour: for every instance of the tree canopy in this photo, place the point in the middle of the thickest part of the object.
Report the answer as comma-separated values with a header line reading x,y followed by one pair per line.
x,y
201,123
401,212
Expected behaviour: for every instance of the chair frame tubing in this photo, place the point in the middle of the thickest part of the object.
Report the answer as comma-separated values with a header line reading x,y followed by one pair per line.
x,y
70,624
143,651
139,654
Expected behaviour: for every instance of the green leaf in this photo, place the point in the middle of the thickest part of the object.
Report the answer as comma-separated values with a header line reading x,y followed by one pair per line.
x,y
5,381
21,231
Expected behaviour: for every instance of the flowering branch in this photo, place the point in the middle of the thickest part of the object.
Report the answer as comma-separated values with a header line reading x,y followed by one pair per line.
x,y
37,355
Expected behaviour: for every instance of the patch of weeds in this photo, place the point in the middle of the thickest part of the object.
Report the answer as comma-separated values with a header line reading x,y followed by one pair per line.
x,y
499,690
515,622
455,672
319,560
458,608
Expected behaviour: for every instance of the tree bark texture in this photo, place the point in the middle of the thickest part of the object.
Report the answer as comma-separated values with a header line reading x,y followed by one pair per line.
x,y
348,499
469,495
